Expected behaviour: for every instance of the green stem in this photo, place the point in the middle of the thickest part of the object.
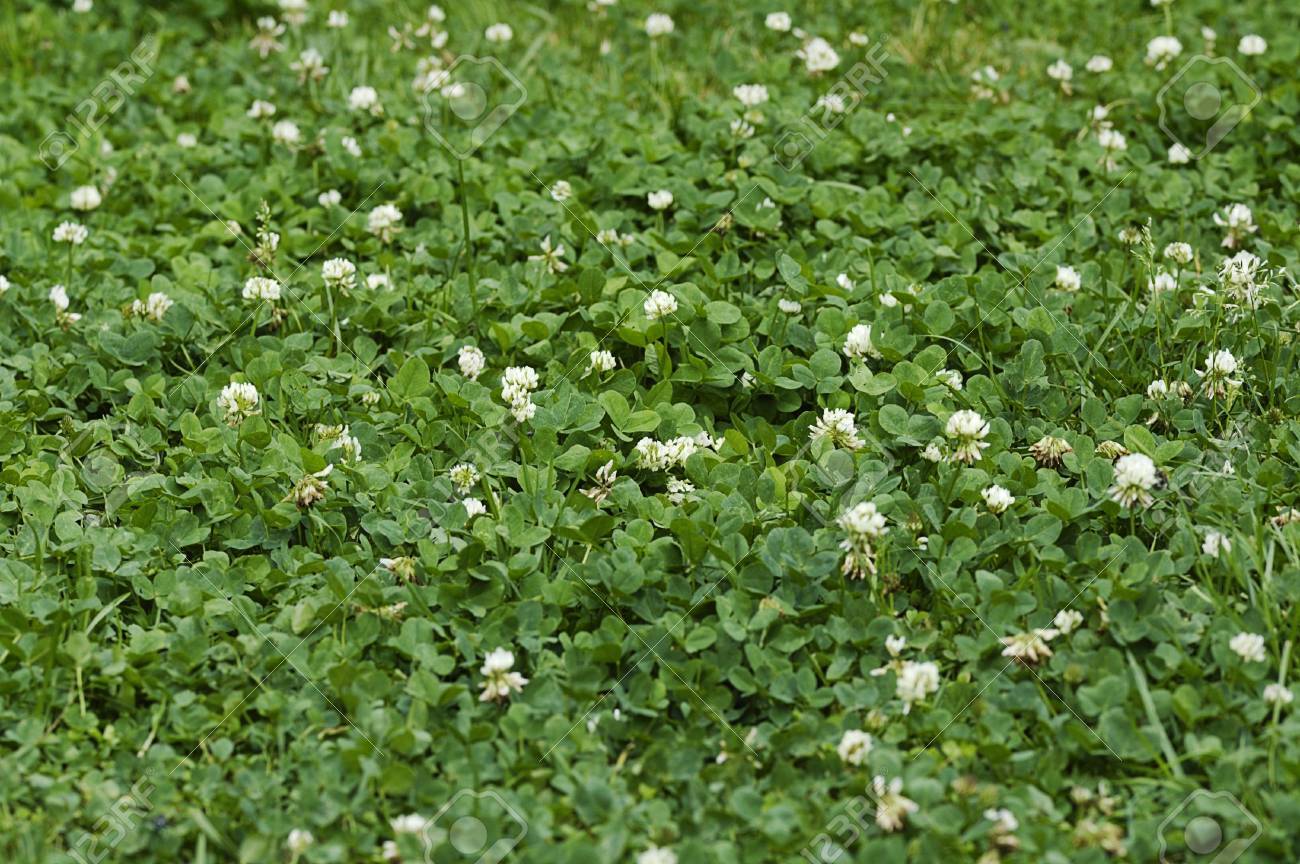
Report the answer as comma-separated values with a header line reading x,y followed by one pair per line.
x,y
467,239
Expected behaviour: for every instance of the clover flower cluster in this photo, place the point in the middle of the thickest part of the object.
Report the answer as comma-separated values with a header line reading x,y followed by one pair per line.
x,y
663,455
499,679
517,386
863,524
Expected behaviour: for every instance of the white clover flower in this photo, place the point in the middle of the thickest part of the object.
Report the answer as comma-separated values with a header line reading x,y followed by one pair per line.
x,y
286,132
1278,694
463,476
660,456
1158,389
832,102
1252,45
561,190
300,840
656,855
154,307
294,11
72,233
5,285
1162,280
679,491
659,304
1179,253
1004,821
384,222
365,98
857,344
85,198
750,95
601,361
404,568
1215,543
778,22
895,644
1030,646
348,143
1239,221
1239,271
789,307
950,378
1135,475
1161,50
473,507
1249,647
412,823
186,140
1099,63
1067,621
517,386
81,7
997,498
837,426
844,281
658,24
1130,235
375,281
1216,377
660,200
310,65
471,361
818,56
339,273
915,682
983,80
1060,71
337,20
310,488
551,255
1067,278
238,401
932,453
499,681
261,108
329,198
265,42
892,807
181,85
1179,154
854,747
261,288
1111,140
863,521
59,297
499,33
968,430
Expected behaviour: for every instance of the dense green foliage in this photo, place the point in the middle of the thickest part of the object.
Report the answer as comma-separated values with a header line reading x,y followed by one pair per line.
x,y
185,645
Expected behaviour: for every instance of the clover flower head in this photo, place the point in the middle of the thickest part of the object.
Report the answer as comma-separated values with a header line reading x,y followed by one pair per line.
x,y
839,427
968,430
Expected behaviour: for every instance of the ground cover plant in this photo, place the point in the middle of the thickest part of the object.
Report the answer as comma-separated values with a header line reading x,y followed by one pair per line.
x,y
676,432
